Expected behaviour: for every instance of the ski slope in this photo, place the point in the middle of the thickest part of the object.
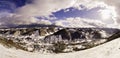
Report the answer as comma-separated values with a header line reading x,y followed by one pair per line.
x,y
107,50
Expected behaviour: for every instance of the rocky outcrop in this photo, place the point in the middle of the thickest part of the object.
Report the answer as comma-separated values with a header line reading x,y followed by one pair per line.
x,y
65,34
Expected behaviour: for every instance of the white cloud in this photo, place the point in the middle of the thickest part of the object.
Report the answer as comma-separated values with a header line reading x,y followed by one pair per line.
x,y
80,22
42,21
44,7
116,5
110,15
13,19
27,13
17,19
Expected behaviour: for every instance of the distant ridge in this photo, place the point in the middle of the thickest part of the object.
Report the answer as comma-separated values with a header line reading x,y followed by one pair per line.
x,y
29,26
43,25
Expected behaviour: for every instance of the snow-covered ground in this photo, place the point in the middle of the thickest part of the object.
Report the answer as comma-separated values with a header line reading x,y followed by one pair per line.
x,y
107,50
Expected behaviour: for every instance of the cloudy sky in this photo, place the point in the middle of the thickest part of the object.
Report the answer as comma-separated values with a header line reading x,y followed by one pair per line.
x,y
67,13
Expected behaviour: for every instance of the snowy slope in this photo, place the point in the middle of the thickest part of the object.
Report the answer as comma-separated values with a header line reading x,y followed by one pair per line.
x,y
107,50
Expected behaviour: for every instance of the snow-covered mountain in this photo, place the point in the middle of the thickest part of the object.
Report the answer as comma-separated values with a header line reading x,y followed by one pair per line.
x,y
49,39
107,50
81,34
